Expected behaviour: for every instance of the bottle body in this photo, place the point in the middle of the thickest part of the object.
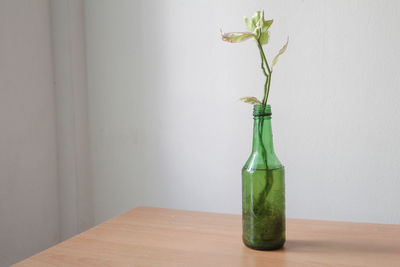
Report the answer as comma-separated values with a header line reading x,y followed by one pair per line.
x,y
263,189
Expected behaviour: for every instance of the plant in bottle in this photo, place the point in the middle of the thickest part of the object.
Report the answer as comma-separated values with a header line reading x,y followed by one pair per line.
x,y
263,175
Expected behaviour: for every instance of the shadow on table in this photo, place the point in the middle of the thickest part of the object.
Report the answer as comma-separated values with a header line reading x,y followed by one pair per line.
x,y
329,246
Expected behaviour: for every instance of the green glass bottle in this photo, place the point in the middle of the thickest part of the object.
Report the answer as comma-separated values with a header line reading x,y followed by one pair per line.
x,y
263,188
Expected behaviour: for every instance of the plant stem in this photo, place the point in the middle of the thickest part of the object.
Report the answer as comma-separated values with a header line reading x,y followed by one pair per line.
x,y
268,76
265,98
262,65
263,56
269,84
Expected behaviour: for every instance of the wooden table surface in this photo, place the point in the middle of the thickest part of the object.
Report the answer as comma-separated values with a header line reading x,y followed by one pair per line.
x,y
148,236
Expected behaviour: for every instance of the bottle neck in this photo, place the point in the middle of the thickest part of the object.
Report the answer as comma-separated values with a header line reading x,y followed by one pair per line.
x,y
263,154
262,136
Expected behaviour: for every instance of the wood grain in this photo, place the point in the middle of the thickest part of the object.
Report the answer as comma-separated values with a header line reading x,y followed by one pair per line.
x,y
148,236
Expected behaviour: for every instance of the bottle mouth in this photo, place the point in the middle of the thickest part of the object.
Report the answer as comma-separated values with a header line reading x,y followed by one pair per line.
x,y
262,110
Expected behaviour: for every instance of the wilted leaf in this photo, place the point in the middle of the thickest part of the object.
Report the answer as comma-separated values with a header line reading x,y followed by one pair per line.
x,y
236,37
251,99
259,26
283,49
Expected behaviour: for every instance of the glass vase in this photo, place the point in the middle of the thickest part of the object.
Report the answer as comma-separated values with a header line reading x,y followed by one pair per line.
x,y
263,188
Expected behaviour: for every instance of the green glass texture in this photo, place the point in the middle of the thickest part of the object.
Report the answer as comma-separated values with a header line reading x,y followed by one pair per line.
x,y
263,188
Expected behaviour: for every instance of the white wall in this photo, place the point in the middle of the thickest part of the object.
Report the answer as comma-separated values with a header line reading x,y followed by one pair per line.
x,y
28,158
74,172
167,129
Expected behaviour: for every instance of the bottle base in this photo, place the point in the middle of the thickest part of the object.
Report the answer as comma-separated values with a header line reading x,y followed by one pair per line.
x,y
272,246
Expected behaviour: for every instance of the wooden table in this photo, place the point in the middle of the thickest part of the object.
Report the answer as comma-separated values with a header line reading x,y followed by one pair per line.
x,y
163,237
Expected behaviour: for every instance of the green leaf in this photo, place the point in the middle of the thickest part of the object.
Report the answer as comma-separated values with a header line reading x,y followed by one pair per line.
x,y
236,37
257,19
267,24
259,26
264,38
249,24
283,49
251,99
